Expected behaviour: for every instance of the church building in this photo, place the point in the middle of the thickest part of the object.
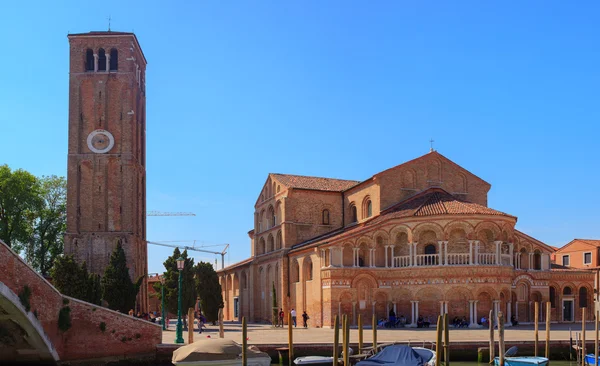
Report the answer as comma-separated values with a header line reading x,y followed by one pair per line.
x,y
418,238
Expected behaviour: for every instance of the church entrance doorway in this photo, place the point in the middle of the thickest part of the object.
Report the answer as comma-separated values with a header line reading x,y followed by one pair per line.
x,y
567,310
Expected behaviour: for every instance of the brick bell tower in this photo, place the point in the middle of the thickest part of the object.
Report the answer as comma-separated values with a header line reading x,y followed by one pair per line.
x,y
106,178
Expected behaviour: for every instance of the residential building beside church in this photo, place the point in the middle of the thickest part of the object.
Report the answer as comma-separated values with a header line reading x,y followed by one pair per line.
x,y
418,238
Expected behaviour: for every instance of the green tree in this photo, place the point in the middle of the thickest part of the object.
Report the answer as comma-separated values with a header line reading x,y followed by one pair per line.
x,y
188,295
117,288
50,224
209,290
70,278
19,202
94,289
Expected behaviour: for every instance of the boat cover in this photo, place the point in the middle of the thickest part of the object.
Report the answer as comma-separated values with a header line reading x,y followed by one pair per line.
x,y
398,355
213,349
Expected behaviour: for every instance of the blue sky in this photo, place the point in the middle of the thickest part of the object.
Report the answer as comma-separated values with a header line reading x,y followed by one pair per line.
x,y
509,90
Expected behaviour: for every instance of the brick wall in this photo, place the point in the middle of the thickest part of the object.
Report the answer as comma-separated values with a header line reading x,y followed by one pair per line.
x,y
84,340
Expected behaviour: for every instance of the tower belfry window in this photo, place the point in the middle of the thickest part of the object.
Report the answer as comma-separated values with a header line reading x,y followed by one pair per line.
x,y
114,60
89,60
101,60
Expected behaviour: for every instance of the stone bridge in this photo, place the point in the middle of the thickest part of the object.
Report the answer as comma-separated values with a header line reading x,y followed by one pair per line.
x,y
35,336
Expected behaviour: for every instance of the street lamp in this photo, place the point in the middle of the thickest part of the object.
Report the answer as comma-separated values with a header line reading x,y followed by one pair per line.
x,y
179,337
162,301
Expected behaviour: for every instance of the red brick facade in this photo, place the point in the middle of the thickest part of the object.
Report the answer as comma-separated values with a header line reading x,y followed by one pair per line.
x,y
124,336
106,194
417,238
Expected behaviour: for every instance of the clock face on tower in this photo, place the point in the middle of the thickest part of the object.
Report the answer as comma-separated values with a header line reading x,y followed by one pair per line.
x,y
100,141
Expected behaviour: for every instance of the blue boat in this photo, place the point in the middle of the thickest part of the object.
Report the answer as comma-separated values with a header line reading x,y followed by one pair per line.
x,y
522,361
589,359
400,355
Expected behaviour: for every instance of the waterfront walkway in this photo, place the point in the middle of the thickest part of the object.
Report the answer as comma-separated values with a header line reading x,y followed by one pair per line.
x,y
261,334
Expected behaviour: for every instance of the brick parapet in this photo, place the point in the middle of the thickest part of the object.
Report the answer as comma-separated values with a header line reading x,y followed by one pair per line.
x,y
85,339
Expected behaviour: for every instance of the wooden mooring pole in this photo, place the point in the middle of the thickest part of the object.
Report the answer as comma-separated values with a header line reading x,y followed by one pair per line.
x,y
583,337
596,338
548,312
346,341
374,333
290,340
244,342
536,313
446,340
360,334
501,338
492,342
438,340
336,339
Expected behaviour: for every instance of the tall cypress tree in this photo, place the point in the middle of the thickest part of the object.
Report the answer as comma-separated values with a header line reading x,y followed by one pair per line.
x,y
117,288
209,290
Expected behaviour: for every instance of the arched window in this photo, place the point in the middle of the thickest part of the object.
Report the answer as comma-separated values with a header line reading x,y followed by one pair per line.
x,y
278,188
101,60
89,60
295,271
353,216
325,217
552,297
272,218
278,240
274,188
270,243
429,261
567,291
583,300
261,246
430,249
537,260
114,60
367,207
308,269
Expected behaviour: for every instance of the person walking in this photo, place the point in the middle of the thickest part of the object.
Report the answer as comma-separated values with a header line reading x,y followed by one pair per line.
x,y
294,317
201,321
281,315
305,319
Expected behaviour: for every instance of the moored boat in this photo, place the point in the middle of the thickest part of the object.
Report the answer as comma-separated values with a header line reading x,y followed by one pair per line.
x,y
217,352
319,360
522,361
590,359
401,355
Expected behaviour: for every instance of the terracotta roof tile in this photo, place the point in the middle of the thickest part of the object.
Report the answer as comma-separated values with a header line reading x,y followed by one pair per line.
x,y
431,202
436,201
315,183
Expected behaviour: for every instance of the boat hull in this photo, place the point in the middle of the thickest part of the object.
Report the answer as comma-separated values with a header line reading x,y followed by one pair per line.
x,y
522,361
590,360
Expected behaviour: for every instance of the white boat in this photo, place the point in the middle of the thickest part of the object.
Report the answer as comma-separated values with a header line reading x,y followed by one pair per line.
x,y
522,361
319,360
217,352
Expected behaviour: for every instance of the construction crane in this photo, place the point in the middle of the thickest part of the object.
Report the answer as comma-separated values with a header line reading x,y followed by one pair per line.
x,y
196,249
160,213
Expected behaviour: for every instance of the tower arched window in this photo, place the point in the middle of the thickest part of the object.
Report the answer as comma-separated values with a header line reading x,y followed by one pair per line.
x,y
369,208
101,60
353,215
114,60
325,217
89,60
